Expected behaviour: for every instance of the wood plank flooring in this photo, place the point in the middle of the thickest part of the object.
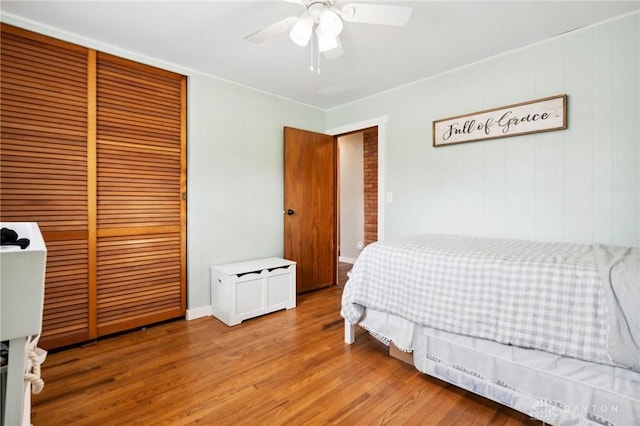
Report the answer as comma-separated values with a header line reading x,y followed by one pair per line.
x,y
343,270
289,367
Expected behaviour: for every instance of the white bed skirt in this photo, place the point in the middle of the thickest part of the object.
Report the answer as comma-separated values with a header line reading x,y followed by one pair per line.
x,y
548,387
551,388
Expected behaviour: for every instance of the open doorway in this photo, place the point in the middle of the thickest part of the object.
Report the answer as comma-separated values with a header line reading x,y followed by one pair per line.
x,y
357,196
311,224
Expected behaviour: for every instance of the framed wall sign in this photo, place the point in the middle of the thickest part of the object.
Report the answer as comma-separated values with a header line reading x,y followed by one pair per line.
x,y
540,115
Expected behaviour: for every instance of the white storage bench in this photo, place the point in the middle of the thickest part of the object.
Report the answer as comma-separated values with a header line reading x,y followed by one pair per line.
x,y
248,289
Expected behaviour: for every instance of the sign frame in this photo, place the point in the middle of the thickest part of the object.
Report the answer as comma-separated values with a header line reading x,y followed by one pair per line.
x,y
524,118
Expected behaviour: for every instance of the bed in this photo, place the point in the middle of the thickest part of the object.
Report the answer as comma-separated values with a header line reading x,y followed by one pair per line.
x,y
549,329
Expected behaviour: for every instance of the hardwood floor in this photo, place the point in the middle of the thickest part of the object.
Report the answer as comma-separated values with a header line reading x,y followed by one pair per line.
x,y
343,270
288,367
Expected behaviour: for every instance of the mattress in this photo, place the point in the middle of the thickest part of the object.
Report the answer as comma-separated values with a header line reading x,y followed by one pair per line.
x,y
539,295
554,389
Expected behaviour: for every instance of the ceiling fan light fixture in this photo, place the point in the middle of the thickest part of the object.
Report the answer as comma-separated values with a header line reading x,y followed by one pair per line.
x,y
330,23
326,42
300,34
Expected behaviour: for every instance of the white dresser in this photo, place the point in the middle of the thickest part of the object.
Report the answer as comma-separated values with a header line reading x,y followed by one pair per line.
x,y
21,302
248,289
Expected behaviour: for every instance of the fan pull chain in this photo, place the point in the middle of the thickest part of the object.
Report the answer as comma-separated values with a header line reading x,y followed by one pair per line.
x,y
311,61
318,58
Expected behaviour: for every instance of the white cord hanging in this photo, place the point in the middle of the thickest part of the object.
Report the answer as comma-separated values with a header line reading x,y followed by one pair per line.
x,y
34,377
311,57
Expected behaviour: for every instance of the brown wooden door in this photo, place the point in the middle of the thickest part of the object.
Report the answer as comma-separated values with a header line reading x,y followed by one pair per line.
x,y
43,178
94,151
141,214
310,207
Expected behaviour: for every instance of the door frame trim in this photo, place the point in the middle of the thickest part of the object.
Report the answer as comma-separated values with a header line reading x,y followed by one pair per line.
x,y
380,123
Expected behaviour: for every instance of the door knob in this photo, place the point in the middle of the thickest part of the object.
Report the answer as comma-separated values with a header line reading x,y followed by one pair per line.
x,y
290,212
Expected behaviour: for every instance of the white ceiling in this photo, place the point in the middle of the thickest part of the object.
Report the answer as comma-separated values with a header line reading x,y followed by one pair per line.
x,y
208,36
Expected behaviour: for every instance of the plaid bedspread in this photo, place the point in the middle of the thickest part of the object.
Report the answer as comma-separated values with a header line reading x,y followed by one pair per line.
x,y
539,295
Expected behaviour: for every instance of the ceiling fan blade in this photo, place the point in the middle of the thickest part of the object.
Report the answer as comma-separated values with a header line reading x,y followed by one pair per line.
x,y
272,30
335,52
396,16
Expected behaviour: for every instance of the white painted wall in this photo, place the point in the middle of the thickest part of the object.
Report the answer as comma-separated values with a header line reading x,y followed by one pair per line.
x,y
351,195
235,175
581,184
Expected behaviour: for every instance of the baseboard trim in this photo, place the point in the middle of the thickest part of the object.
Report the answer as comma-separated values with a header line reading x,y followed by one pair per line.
x,y
204,311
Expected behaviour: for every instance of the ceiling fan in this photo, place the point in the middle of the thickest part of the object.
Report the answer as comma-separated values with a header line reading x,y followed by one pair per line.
x,y
328,22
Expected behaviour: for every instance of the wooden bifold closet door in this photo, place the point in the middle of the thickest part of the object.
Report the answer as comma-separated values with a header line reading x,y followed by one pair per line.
x,y
93,149
140,179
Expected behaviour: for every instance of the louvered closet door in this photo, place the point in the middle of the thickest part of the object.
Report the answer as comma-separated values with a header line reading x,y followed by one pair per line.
x,y
43,164
141,267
